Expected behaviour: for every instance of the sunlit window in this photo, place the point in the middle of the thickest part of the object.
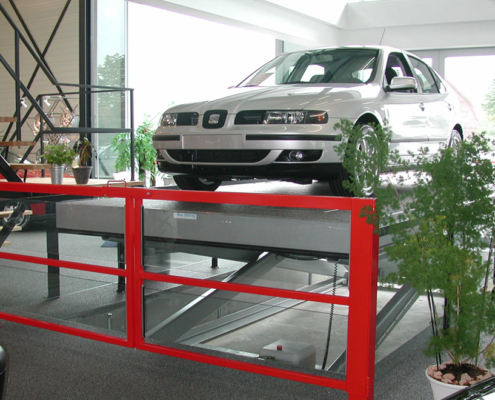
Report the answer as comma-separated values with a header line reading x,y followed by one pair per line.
x,y
175,58
474,77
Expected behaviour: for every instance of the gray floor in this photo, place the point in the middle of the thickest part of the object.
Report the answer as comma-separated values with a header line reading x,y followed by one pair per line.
x,y
48,365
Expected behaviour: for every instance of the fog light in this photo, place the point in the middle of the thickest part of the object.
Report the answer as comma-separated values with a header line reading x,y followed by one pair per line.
x,y
297,155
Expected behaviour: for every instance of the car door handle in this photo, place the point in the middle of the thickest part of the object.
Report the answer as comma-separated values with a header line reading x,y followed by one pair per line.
x,y
422,106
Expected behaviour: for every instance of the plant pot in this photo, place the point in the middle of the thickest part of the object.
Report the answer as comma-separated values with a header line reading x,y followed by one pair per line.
x,y
57,174
442,390
82,174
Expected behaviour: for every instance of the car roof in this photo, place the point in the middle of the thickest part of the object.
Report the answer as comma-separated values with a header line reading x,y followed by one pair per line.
x,y
385,49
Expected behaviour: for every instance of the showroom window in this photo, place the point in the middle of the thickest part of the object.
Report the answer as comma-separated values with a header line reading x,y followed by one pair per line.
x,y
470,72
474,76
167,58
109,67
176,58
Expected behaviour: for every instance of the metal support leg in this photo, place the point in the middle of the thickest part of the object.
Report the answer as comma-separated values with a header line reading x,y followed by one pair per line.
x,y
52,250
121,265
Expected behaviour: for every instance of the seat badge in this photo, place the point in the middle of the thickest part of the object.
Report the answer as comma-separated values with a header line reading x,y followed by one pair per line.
x,y
214,119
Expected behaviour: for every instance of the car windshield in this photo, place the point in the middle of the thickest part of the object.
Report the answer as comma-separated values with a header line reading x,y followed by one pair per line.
x,y
317,66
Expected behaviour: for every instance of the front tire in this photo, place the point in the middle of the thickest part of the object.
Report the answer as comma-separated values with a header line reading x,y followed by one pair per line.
x,y
185,182
455,138
337,184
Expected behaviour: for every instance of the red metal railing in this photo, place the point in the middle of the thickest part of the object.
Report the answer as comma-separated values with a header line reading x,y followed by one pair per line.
x,y
359,380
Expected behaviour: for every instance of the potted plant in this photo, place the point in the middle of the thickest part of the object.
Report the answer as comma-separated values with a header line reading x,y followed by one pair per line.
x,y
81,167
59,155
144,153
439,235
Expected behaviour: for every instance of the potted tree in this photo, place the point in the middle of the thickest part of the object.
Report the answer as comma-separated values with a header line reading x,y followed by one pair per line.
x,y
438,237
81,167
59,155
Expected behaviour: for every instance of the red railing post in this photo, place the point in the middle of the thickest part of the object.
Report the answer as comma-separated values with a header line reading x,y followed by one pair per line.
x,y
133,246
363,279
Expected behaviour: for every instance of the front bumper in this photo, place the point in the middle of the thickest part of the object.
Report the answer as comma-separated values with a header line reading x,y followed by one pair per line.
x,y
278,171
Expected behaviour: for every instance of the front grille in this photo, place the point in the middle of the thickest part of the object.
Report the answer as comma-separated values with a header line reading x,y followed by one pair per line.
x,y
218,156
249,118
187,119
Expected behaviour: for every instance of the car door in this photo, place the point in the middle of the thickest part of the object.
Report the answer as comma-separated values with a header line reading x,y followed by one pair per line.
x,y
403,109
434,100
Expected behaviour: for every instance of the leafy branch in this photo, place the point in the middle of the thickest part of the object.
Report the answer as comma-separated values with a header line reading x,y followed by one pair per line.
x,y
439,209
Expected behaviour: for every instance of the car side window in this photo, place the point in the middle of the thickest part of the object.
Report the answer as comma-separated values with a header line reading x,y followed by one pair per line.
x,y
396,66
425,76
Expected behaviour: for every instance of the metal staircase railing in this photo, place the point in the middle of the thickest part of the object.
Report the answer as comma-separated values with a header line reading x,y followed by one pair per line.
x,y
47,124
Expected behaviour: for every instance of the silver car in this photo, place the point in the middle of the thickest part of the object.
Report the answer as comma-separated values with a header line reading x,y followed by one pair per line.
x,y
279,122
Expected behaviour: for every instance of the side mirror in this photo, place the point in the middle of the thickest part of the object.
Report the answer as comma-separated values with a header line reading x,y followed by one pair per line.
x,y
402,83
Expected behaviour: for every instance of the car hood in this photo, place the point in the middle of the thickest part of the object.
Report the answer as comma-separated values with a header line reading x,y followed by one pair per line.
x,y
287,97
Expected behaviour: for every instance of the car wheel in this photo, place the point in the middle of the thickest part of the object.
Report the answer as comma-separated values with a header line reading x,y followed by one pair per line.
x,y
23,221
337,184
194,183
455,138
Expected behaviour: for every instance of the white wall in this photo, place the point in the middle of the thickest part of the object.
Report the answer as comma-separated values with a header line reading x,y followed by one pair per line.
x,y
421,24
408,24
265,17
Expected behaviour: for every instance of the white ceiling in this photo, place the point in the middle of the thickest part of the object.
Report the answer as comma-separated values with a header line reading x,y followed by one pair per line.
x,y
408,24
359,14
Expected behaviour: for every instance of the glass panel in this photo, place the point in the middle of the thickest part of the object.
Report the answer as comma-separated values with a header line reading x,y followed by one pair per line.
x,y
246,326
110,71
87,300
87,231
276,247
170,63
473,77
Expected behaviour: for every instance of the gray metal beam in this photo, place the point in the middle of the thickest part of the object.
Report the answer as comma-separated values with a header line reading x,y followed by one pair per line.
x,y
189,316
388,317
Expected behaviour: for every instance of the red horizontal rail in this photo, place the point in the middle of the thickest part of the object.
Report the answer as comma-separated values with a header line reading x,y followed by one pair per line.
x,y
251,289
252,199
65,329
64,264
248,367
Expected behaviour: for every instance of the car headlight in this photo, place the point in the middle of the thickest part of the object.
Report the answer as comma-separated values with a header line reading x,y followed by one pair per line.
x,y
168,119
179,119
295,117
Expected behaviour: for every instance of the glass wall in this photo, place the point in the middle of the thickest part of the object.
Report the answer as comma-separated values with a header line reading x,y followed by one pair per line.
x,y
167,58
176,58
110,70
471,73
474,77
